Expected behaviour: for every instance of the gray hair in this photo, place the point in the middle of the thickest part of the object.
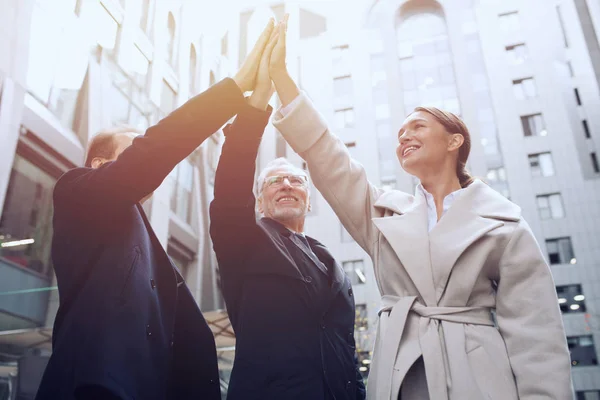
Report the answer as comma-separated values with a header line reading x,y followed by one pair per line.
x,y
277,163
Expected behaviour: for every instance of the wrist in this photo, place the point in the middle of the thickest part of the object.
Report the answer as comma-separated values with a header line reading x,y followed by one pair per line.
x,y
239,82
280,75
260,99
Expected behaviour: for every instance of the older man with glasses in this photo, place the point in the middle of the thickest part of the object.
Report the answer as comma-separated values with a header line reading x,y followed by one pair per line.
x,y
290,303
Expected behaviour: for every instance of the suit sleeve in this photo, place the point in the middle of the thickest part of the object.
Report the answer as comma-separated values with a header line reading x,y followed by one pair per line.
x,y
233,228
142,167
340,179
530,321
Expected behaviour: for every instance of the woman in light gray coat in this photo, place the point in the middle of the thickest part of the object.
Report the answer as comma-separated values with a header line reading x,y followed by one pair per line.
x,y
445,260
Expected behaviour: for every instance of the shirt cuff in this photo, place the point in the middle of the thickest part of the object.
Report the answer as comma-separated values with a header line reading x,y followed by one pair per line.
x,y
287,109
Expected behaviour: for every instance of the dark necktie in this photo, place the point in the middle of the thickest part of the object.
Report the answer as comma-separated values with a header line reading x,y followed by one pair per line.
x,y
304,242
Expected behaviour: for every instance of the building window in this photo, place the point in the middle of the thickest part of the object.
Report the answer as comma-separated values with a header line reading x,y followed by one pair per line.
x,y
168,100
426,63
586,129
26,222
570,298
509,22
560,251
533,125
562,26
182,182
496,174
170,49
378,71
381,101
570,68
181,256
103,26
225,45
583,351
344,118
577,97
342,91
497,180
341,61
524,88
541,164
361,320
145,15
595,162
386,144
355,271
588,395
517,54
193,70
550,206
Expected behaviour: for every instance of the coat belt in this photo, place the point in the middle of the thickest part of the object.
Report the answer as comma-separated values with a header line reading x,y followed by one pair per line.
x,y
434,325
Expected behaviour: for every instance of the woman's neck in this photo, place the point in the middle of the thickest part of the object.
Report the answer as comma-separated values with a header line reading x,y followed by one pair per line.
x,y
440,186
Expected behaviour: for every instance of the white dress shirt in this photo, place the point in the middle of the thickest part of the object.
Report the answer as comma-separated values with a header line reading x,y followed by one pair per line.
x,y
432,219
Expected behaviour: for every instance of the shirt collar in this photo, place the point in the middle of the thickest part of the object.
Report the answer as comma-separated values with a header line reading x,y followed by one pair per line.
x,y
448,200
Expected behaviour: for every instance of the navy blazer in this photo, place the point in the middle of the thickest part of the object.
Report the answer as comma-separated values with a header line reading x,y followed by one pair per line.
x,y
126,320
288,345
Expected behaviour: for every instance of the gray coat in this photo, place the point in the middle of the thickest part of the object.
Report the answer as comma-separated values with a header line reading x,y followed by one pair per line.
x,y
439,288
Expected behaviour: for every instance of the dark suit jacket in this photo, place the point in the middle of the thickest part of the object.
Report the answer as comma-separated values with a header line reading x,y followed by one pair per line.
x,y
288,346
124,323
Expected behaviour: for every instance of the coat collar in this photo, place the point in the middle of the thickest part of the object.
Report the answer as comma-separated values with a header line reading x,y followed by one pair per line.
x,y
480,198
429,257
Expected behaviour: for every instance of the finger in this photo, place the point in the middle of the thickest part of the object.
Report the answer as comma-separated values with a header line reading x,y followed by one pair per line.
x,y
264,37
281,37
272,43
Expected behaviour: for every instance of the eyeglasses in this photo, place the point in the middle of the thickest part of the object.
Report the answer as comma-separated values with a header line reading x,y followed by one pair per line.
x,y
294,180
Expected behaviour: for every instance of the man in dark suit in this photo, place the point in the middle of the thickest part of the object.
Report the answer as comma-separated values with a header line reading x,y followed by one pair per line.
x,y
289,302
127,326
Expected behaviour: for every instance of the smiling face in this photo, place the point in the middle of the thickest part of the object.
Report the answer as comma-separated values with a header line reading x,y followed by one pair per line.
x,y
425,146
284,200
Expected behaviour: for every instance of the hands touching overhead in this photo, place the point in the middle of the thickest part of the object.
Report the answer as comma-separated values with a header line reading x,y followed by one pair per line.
x,y
265,66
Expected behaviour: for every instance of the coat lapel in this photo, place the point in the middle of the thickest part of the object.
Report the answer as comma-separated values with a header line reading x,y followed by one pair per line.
x,y
408,236
310,254
429,257
476,212
275,231
334,270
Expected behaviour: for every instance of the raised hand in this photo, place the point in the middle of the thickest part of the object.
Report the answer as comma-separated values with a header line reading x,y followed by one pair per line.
x,y
264,87
285,85
246,76
277,65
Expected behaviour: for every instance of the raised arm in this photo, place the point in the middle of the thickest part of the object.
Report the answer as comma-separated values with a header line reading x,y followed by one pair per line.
x,y
342,181
233,226
530,321
142,167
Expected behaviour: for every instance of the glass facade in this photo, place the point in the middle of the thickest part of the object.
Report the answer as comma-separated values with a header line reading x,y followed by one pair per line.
x,y
25,245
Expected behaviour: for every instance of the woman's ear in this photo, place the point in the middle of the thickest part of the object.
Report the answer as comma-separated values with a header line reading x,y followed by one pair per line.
x,y
456,140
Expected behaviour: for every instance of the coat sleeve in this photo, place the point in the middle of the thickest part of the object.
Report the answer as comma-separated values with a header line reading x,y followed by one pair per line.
x,y
142,167
340,179
530,321
233,228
